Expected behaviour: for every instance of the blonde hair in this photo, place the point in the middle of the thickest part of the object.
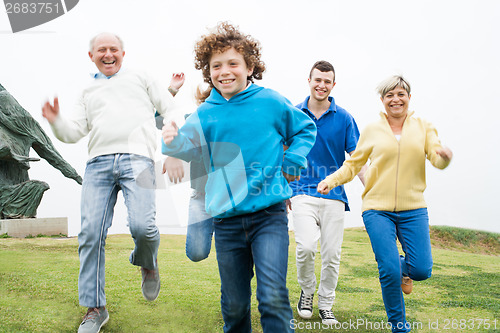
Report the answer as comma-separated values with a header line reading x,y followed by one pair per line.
x,y
393,82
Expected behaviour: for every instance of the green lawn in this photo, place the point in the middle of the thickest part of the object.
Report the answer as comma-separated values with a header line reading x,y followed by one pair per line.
x,y
38,289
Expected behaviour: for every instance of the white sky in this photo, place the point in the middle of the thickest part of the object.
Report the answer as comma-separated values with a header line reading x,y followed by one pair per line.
x,y
448,50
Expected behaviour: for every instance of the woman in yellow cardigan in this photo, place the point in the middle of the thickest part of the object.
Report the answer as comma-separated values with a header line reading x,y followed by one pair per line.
x,y
393,203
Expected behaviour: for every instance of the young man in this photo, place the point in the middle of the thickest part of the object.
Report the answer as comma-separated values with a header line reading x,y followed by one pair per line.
x,y
316,216
117,112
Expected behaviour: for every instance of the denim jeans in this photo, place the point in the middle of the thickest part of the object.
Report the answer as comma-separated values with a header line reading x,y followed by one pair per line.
x,y
200,228
318,219
411,227
104,176
259,239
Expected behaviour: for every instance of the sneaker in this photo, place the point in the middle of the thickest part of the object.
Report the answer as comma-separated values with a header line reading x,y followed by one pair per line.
x,y
406,285
305,305
94,320
150,283
327,317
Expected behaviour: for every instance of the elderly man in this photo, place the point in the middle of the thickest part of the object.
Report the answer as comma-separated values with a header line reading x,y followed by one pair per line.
x,y
117,113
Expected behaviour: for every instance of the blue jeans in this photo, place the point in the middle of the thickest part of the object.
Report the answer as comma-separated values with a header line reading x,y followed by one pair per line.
x,y
259,239
104,176
200,228
411,227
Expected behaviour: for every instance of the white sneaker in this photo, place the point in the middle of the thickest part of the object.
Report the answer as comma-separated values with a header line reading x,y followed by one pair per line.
x,y
305,305
327,317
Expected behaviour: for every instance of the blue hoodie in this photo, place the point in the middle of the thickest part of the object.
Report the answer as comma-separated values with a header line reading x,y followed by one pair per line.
x,y
240,141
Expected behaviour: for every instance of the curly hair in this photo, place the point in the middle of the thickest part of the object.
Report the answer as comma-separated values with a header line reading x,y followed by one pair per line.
x,y
222,38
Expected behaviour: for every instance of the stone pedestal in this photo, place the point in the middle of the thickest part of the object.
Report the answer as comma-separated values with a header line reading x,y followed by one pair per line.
x,y
21,228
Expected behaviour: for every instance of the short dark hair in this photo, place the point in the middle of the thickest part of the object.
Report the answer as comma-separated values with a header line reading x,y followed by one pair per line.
x,y
323,66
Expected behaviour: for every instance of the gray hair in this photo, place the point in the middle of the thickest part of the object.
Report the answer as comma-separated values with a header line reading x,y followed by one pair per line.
x,y
92,41
391,83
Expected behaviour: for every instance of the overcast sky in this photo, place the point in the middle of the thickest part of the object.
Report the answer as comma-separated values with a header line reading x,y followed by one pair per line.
x,y
448,50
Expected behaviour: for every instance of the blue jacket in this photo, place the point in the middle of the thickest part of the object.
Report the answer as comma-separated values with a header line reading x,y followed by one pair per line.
x,y
240,141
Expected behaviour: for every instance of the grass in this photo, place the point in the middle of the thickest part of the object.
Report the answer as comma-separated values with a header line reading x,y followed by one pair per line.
x,y
39,277
44,236
465,239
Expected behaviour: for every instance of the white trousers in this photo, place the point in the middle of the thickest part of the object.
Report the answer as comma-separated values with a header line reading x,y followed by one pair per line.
x,y
318,219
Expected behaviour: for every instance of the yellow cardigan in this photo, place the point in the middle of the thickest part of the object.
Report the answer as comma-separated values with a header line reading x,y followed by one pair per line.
x,y
395,178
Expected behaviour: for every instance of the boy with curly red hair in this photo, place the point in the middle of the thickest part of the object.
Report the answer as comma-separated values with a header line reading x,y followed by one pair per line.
x,y
238,132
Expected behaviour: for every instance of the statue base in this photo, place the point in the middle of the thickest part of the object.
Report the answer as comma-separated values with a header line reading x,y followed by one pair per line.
x,y
48,226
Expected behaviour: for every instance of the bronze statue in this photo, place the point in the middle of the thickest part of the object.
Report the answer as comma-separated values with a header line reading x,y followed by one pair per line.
x,y
19,131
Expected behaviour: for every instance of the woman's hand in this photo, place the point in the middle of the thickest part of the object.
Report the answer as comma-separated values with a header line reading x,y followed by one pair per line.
x,y
445,153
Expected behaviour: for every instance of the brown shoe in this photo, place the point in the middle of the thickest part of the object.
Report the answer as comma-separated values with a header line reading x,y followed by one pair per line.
x,y
406,285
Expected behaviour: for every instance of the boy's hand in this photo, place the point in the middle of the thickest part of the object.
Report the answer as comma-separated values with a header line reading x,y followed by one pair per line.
x,y
290,178
323,187
169,132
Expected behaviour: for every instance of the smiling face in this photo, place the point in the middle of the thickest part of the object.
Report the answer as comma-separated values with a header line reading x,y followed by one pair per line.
x,y
229,72
396,102
107,54
321,84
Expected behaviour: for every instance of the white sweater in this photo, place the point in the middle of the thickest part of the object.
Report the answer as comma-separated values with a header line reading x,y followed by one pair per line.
x,y
117,114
